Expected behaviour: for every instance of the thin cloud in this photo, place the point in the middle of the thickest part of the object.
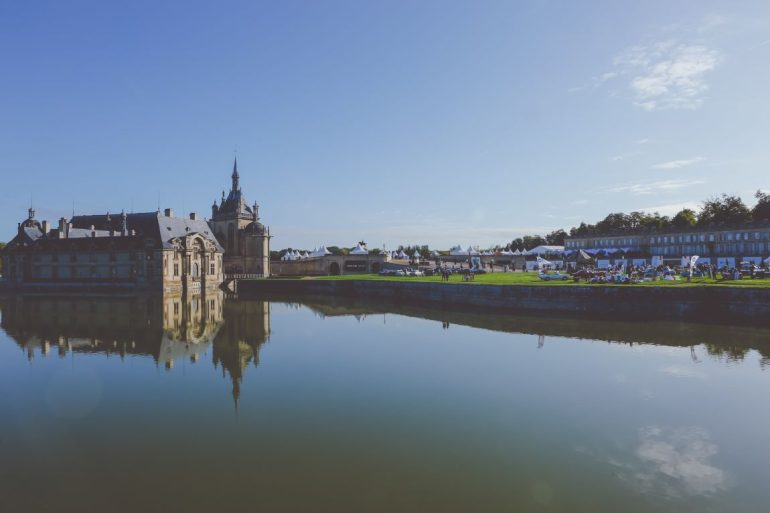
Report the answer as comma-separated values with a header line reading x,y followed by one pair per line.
x,y
670,209
654,187
667,75
677,164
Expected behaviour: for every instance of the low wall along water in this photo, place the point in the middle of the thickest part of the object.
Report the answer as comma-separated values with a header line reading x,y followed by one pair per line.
x,y
709,304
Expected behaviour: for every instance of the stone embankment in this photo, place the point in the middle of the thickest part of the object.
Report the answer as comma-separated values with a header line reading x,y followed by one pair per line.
x,y
703,304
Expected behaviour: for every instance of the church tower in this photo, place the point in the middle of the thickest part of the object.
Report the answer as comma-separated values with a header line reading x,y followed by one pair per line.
x,y
238,228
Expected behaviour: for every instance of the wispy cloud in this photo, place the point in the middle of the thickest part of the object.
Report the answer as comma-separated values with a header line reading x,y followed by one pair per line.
x,y
643,141
667,74
595,82
682,372
625,156
670,209
679,456
653,187
676,164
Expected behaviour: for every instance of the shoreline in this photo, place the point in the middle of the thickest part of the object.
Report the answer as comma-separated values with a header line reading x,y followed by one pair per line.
x,y
720,305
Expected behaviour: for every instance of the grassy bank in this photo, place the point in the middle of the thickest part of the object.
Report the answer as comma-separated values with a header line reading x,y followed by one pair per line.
x,y
532,279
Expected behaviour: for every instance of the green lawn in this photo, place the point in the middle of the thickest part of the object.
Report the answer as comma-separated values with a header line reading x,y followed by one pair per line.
x,y
520,278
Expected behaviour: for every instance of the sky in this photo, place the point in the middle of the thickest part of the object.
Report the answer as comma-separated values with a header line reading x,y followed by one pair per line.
x,y
398,122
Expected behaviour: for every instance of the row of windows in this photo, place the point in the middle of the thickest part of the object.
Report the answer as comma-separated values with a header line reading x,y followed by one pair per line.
x,y
670,239
589,243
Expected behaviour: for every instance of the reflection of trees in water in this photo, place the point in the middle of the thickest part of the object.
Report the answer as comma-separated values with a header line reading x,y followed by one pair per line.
x,y
727,352
166,328
733,343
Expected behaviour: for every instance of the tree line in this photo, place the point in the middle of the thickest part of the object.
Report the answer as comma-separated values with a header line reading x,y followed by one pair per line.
x,y
725,209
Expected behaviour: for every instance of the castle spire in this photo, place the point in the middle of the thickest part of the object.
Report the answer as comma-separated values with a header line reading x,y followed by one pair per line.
x,y
236,177
123,223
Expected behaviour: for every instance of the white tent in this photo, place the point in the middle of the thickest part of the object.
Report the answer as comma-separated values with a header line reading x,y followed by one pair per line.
x,y
322,251
542,250
471,251
457,251
359,250
434,254
402,255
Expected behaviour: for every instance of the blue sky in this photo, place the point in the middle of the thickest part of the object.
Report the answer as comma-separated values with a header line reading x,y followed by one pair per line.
x,y
393,122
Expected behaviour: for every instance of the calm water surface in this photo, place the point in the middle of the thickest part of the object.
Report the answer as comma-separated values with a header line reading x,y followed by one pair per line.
x,y
145,404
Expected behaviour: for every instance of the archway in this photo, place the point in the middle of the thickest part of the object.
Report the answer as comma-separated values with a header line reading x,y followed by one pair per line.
x,y
334,269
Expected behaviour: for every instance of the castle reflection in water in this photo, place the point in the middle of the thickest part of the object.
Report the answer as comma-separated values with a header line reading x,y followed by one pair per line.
x,y
165,328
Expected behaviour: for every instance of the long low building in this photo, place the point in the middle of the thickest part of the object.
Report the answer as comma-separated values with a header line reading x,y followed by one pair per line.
x,y
720,245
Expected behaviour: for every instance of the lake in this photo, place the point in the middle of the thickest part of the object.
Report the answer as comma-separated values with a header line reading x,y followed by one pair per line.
x,y
160,404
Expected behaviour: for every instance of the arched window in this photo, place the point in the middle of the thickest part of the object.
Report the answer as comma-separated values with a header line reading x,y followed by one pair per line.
x,y
195,270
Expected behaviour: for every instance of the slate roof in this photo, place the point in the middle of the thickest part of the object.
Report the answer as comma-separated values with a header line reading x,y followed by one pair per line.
x,y
148,225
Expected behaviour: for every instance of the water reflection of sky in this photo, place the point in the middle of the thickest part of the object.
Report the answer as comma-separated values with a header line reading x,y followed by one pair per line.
x,y
391,410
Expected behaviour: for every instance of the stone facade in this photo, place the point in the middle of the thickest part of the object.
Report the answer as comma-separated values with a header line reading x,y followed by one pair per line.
x,y
238,229
150,251
720,245
331,265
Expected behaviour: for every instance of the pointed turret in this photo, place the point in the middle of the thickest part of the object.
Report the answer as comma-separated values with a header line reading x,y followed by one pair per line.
x,y
123,224
236,177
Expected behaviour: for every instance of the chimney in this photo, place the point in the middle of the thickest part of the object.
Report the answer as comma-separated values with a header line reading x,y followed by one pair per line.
x,y
45,226
193,216
169,212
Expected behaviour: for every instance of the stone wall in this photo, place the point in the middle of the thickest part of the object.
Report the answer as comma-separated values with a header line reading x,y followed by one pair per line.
x,y
711,304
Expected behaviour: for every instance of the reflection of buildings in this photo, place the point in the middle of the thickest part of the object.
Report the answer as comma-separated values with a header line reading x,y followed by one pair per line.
x,y
165,328
237,344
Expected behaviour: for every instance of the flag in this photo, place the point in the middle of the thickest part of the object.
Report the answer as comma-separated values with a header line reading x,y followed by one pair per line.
x,y
693,259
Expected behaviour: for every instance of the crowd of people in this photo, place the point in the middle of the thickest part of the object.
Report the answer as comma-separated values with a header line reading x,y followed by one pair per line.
x,y
638,273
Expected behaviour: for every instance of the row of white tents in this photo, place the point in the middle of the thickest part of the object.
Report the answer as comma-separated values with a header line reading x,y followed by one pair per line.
x,y
322,251
476,251
417,255
290,256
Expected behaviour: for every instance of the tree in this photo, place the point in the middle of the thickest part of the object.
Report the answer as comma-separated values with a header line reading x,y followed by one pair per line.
x,y
336,250
517,243
762,209
684,219
532,241
2,247
556,237
727,209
